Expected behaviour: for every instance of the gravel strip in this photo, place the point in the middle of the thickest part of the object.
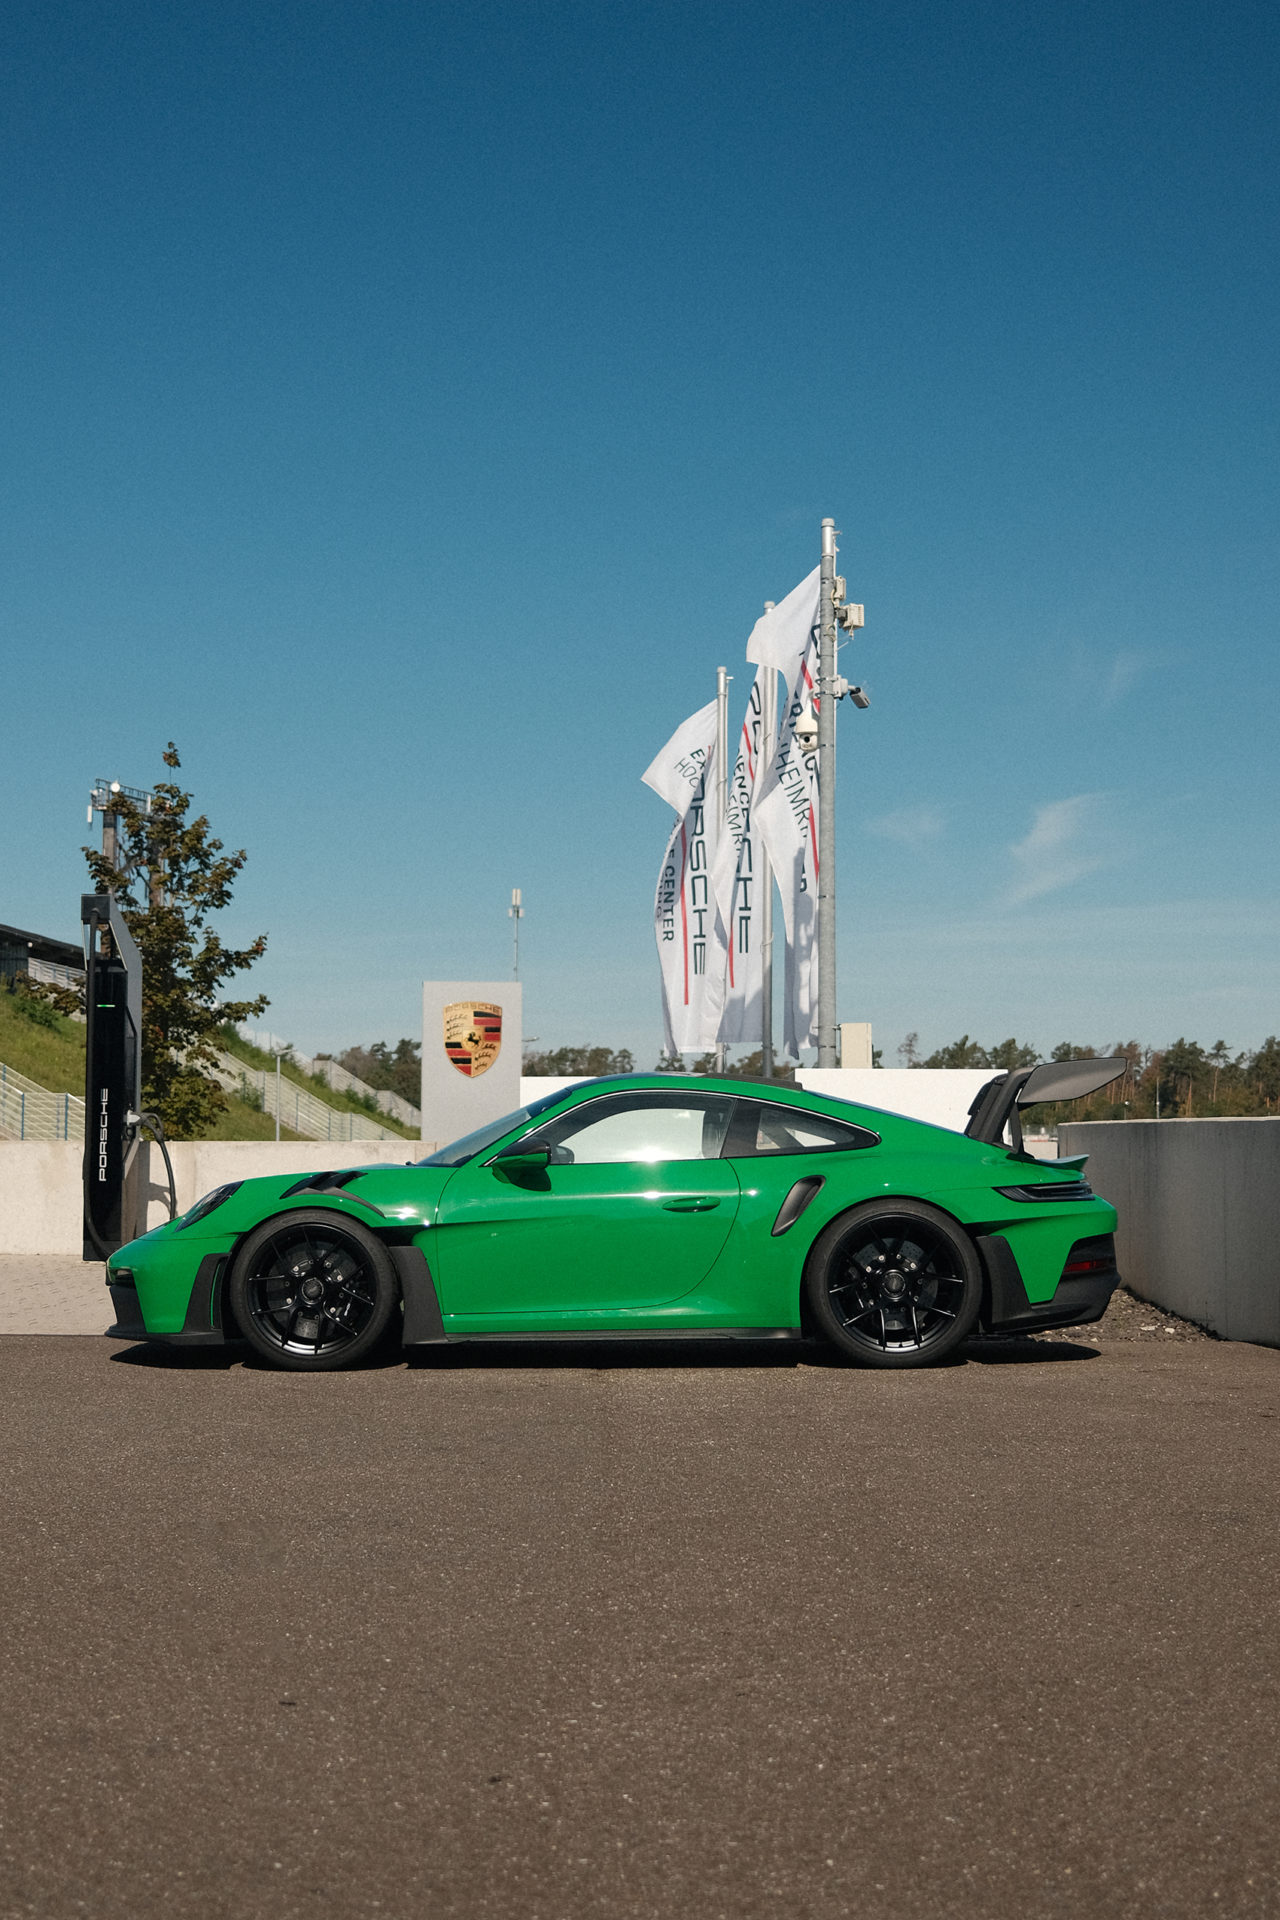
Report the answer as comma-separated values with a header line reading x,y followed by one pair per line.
x,y
1126,1319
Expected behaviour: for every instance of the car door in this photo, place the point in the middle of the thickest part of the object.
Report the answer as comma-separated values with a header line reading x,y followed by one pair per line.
x,y
631,1211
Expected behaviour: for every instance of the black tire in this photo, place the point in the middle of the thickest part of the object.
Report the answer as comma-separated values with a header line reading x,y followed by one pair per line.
x,y
894,1283
312,1290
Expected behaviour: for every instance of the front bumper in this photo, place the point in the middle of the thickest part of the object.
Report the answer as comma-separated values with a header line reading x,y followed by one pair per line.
x,y
202,1323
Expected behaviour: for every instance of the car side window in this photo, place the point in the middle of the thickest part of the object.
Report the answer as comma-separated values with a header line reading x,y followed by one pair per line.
x,y
760,1128
637,1127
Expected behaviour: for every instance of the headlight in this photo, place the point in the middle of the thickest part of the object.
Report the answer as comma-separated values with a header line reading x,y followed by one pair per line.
x,y
207,1205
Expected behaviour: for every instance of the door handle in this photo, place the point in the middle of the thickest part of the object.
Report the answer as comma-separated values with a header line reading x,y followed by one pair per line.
x,y
696,1203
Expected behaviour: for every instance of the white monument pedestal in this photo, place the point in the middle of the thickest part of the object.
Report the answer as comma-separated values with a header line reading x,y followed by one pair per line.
x,y
471,1049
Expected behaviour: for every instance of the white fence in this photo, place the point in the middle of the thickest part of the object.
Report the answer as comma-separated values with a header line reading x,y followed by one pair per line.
x,y
299,1110
31,1112
53,975
337,1077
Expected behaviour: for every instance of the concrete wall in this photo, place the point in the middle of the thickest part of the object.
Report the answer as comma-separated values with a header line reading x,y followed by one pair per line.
x,y
941,1095
41,1195
1199,1206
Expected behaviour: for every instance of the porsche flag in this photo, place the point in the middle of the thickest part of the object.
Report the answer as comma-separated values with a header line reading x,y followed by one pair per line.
x,y
786,805
684,916
735,882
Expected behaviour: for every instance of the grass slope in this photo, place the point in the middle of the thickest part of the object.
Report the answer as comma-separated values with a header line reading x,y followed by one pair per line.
x,y
312,1083
53,1056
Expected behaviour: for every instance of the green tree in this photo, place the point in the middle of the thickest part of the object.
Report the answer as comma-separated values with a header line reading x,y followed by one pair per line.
x,y
1184,1069
1009,1054
963,1052
395,1069
1219,1056
1264,1073
171,877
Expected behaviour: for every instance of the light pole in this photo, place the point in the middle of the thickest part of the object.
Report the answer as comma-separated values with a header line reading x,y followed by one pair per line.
x,y
515,913
827,800
832,607
768,747
279,1048
723,677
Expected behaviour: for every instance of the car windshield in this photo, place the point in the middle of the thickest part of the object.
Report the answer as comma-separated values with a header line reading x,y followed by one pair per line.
x,y
473,1143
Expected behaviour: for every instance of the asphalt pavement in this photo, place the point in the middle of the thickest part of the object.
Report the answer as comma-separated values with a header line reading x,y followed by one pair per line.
x,y
733,1631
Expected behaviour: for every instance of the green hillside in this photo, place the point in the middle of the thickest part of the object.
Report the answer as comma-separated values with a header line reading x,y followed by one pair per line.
x,y
313,1083
42,1044
49,1049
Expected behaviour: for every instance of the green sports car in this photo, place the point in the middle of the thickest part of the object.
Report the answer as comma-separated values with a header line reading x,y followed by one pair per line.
x,y
650,1205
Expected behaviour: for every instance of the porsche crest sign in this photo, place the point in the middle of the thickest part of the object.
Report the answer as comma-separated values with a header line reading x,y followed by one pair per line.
x,y
472,1035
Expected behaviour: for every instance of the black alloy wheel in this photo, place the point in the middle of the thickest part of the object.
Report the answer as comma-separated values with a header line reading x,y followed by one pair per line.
x,y
312,1290
895,1283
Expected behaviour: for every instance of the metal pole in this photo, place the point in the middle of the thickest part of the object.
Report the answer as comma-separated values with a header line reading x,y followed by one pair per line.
x,y
722,791
516,912
827,1054
768,747
277,1094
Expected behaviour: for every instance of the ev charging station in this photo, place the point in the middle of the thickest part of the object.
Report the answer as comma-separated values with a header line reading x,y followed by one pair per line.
x,y
113,1076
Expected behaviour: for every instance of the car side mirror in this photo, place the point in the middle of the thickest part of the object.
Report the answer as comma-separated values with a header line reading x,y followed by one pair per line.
x,y
523,1160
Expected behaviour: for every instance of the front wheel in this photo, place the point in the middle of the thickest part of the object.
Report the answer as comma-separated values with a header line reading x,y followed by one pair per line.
x,y
312,1290
894,1284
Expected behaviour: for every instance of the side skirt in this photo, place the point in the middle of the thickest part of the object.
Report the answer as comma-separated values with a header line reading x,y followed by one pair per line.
x,y
650,1334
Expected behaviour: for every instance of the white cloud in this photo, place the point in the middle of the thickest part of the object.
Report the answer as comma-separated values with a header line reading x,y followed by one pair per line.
x,y
1054,853
1126,669
909,825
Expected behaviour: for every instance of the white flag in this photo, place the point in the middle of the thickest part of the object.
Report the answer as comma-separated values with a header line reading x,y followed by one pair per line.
x,y
684,914
780,638
786,808
735,882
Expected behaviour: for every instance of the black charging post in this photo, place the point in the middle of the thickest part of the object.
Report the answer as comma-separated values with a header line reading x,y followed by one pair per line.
x,y
113,1076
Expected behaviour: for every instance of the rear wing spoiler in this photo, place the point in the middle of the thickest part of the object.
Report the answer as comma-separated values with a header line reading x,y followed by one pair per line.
x,y
1000,1102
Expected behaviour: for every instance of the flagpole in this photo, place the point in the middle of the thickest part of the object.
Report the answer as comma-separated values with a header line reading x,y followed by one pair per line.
x,y
827,1056
722,789
764,878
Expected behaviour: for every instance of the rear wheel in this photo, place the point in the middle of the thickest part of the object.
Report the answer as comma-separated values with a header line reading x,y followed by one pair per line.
x,y
894,1284
312,1290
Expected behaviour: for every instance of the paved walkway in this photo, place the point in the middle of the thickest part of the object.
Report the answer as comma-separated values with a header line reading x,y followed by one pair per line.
x,y
51,1293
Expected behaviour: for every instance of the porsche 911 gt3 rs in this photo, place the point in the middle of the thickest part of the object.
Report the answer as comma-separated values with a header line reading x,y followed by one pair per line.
x,y
657,1206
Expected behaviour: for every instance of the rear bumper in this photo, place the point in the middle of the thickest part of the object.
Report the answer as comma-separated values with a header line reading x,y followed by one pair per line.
x,y
1078,1301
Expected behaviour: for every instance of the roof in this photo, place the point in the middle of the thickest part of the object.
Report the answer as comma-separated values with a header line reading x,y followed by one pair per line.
x,y
60,953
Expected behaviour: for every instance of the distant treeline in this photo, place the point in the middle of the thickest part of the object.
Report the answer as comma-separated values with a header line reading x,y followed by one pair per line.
x,y
1179,1081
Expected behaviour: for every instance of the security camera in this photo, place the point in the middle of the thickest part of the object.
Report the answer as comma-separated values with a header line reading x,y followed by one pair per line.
x,y
806,729
859,698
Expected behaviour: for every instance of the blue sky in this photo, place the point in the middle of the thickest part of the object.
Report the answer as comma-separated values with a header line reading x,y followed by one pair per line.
x,y
406,407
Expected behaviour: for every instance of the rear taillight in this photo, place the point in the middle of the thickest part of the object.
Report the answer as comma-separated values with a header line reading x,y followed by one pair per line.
x,y
1090,1256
